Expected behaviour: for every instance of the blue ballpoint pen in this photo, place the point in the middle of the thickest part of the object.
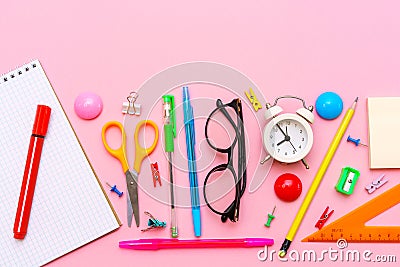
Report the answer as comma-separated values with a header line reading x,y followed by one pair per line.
x,y
190,148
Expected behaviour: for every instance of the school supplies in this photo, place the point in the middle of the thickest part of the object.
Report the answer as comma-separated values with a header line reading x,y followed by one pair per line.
x,y
115,190
160,243
317,179
324,217
88,105
131,175
352,228
253,99
270,218
357,142
329,105
31,171
153,223
191,154
169,136
383,127
155,173
375,184
347,180
131,107
62,218
288,137
239,176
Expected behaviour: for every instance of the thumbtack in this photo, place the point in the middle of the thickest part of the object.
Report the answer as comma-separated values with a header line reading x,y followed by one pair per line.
x,y
355,141
270,218
115,189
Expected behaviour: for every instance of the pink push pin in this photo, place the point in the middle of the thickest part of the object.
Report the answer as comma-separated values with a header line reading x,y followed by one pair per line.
x,y
88,105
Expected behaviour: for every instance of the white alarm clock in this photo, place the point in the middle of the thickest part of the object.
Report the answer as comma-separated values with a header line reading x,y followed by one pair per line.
x,y
288,137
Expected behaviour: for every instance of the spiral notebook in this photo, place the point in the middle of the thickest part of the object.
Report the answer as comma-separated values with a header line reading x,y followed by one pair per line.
x,y
70,207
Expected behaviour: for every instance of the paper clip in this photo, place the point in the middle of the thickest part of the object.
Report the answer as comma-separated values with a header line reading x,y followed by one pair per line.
x,y
324,217
375,184
253,100
153,223
131,107
155,173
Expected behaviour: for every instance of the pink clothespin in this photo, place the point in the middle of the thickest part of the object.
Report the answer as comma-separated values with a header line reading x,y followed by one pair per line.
x,y
375,184
156,173
324,217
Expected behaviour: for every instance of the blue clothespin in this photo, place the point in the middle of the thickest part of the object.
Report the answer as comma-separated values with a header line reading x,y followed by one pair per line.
x,y
153,223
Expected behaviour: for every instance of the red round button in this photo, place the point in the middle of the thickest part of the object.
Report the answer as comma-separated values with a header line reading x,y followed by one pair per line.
x,y
288,187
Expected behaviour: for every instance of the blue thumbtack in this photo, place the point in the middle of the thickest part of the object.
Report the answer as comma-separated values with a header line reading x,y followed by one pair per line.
x,y
115,189
355,141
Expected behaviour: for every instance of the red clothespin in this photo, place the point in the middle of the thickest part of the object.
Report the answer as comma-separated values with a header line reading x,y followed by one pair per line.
x,y
156,173
324,217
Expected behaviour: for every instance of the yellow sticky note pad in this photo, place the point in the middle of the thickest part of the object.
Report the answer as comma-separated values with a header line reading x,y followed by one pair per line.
x,y
384,132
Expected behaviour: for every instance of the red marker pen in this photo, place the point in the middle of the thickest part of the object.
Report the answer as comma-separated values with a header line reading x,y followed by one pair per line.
x,y
31,171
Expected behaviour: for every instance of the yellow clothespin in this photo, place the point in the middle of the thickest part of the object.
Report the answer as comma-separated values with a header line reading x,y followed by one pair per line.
x,y
253,100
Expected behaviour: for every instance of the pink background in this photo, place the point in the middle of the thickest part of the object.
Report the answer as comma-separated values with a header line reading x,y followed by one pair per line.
x,y
112,47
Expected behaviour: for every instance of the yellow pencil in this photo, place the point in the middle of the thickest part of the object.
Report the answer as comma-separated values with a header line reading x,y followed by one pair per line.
x,y
317,179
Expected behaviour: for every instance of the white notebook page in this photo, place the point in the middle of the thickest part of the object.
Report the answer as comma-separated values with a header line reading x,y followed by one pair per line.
x,y
69,207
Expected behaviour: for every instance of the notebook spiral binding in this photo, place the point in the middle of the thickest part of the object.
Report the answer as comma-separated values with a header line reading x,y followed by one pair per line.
x,y
19,71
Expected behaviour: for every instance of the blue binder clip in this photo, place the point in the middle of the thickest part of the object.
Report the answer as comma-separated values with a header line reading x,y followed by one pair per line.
x,y
153,223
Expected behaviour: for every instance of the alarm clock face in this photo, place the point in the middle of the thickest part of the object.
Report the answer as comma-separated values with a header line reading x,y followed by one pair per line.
x,y
288,138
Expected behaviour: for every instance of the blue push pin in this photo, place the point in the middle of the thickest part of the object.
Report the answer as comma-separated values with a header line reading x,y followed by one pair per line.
x,y
355,141
115,189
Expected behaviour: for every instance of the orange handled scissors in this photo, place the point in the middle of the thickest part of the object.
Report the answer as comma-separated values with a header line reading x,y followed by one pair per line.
x,y
140,154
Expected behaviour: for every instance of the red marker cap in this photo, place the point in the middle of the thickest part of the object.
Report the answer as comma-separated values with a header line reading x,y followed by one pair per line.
x,y
41,120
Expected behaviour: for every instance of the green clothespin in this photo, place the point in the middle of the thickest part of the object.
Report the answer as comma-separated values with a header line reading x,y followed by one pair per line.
x,y
270,218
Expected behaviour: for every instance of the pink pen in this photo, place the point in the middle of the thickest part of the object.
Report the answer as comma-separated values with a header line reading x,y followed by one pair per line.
x,y
160,243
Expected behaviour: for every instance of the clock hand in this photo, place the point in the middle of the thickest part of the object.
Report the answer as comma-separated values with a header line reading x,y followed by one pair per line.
x,y
289,139
293,146
286,136
281,142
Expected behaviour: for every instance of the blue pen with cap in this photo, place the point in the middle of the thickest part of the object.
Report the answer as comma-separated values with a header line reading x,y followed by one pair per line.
x,y
190,148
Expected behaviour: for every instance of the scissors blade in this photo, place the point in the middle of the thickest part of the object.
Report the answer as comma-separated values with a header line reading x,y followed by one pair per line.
x,y
129,210
133,204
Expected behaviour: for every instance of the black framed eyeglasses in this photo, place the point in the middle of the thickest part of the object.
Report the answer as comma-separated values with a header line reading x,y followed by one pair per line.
x,y
239,176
